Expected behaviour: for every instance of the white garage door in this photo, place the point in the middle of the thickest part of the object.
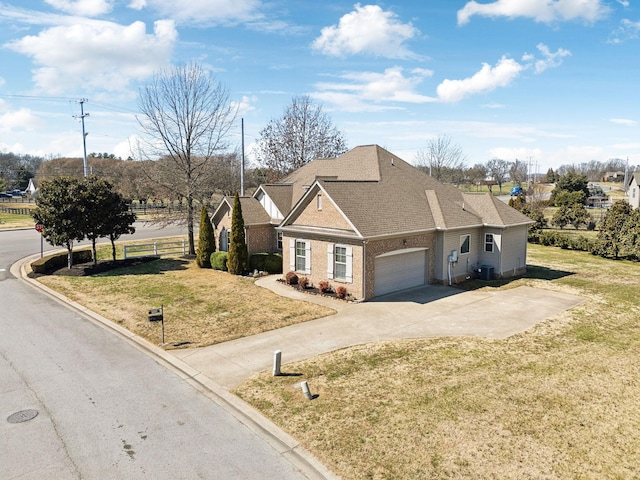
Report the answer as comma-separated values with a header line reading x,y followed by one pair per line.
x,y
399,271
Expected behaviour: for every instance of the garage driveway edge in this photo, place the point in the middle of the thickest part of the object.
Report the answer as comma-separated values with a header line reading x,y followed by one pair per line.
x,y
424,312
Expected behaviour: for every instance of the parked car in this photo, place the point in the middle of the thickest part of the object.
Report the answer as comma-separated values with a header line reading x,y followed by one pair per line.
x,y
516,190
5,195
18,193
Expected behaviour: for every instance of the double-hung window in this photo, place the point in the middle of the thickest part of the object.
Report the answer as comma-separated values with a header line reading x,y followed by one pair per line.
x,y
279,241
300,256
488,242
340,262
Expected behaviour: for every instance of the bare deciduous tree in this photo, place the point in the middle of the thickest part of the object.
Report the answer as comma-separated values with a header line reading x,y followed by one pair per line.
x,y
498,170
519,172
302,134
185,117
442,158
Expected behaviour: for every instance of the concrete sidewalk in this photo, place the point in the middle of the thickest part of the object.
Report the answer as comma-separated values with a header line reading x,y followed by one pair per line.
x,y
431,311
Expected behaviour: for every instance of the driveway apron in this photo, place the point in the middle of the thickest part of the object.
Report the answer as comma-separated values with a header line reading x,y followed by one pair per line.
x,y
432,311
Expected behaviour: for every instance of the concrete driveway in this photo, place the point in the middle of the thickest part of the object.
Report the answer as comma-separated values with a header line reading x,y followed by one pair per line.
x,y
432,311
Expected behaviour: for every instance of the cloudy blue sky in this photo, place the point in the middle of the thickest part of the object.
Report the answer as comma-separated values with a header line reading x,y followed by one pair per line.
x,y
551,81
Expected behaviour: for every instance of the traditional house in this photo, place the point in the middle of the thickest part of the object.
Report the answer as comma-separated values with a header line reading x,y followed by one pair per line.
x,y
375,224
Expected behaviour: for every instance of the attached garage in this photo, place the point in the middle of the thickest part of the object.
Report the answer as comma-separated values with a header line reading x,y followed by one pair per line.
x,y
400,270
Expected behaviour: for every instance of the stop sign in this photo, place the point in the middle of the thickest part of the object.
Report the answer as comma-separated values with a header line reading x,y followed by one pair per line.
x,y
39,227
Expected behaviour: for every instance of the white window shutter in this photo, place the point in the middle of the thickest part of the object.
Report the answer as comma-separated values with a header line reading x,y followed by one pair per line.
x,y
349,273
330,261
307,257
292,255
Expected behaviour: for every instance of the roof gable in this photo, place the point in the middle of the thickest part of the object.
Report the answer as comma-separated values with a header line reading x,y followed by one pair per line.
x,y
252,211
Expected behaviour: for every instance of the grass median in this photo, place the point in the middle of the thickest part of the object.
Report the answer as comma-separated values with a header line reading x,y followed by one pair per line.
x,y
559,401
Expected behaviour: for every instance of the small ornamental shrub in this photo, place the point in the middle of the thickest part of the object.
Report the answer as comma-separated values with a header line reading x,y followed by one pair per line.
x,y
219,261
291,278
324,286
266,262
341,291
303,282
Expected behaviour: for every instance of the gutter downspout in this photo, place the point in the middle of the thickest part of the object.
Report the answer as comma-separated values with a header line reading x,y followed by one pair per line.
x,y
364,269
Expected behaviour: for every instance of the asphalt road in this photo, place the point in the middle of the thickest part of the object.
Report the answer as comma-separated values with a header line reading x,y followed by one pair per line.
x,y
105,408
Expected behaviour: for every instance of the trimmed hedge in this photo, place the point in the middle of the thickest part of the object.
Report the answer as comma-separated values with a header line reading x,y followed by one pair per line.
x,y
51,263
266,262
219,261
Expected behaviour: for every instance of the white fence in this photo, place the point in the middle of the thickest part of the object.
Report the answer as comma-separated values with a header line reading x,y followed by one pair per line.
x,y
179,247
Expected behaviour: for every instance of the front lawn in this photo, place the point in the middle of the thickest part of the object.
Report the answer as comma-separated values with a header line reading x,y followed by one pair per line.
x,y
201,306
559,401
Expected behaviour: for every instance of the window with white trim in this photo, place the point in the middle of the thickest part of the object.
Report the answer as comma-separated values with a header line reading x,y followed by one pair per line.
x,y
488,242
465,244
340,262
319,198
279,241
300,256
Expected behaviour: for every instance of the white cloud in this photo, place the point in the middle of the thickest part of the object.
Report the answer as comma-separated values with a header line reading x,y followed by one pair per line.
x,y
578,154
550,59
22,118
487,79
205,12
624,3
545,11
362,91
627,30
368,30
624,121
99,55
137,4
84,8
501,75
244,105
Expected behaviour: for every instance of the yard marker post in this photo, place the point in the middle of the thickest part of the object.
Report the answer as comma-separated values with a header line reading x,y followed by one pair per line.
x,y
277,360
306,391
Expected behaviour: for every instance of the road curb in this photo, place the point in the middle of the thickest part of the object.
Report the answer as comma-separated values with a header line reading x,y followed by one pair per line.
x,y
278,439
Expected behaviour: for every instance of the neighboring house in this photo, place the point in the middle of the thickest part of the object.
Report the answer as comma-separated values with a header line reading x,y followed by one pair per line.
x,y
613,176
632,191
375,224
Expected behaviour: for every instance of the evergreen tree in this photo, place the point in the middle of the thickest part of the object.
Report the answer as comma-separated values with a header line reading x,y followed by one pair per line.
x,y
206,240
237,260
630,233
610,240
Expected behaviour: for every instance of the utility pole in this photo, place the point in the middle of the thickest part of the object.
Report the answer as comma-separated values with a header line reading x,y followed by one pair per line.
x,y
82,101
242,167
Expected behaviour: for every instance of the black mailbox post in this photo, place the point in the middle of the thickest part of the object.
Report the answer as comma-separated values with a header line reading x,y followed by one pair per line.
x,y
157,315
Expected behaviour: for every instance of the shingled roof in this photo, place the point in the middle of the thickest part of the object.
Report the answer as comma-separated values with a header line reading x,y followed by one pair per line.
x,y
252,211
382,194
